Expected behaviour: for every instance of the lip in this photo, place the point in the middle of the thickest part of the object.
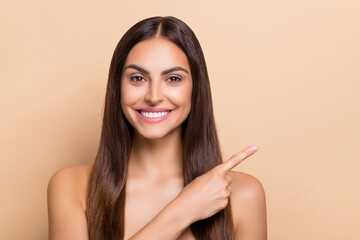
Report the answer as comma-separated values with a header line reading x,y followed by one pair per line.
x,y
153,120
154,109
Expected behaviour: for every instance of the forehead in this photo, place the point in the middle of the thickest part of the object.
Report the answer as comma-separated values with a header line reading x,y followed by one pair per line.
x,y
157,54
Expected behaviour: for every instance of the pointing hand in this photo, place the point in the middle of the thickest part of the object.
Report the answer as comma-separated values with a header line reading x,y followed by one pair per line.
x,y
209,193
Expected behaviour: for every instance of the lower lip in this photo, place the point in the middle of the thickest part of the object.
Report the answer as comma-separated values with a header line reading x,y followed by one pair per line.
x,y
153,120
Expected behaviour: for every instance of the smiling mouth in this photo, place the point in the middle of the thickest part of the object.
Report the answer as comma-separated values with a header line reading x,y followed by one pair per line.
x,y
159,114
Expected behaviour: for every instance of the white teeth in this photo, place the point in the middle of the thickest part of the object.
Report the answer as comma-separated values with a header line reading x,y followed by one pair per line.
x,y
154,114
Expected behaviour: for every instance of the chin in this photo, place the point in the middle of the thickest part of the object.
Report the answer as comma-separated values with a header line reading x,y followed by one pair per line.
x,y
153,134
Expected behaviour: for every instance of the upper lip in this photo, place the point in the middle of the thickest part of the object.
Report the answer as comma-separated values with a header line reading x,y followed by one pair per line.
x,y
154,109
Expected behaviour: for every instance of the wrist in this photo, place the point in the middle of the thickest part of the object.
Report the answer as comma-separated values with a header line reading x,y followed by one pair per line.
x,y
181,213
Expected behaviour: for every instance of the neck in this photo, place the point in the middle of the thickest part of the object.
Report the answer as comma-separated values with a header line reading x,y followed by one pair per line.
x,y
156,158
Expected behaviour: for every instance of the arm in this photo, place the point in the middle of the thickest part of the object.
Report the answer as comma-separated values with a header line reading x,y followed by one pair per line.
x,y
200,199
67,220
168,224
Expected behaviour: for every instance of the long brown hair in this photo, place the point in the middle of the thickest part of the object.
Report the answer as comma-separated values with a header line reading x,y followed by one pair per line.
x,y
105,205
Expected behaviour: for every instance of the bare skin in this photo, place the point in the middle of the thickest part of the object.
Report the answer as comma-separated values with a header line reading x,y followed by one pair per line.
x,y
156,200
67,193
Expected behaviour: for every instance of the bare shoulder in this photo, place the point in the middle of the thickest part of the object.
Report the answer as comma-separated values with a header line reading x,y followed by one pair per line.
x,y
248,205
246,186
66,203
71,181
72,172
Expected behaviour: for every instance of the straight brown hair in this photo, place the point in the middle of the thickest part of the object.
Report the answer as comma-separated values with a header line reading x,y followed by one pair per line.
x,y
105,205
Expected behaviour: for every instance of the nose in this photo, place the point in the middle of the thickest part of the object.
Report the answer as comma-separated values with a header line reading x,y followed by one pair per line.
x,y
154,93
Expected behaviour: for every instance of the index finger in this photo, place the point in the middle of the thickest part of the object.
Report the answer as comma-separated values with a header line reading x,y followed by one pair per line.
x,y
237,158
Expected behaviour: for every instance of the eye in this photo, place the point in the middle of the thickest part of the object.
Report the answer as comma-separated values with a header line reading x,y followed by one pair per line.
x,y
174,79
137,79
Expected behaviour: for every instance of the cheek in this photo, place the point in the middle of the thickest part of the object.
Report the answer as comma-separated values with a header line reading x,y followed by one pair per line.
x,y
182,97
129,95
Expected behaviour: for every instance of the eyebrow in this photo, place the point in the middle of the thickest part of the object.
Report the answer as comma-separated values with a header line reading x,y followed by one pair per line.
x,y
162,73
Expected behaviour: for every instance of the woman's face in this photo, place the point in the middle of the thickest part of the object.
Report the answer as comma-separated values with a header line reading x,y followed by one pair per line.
x,y
156,87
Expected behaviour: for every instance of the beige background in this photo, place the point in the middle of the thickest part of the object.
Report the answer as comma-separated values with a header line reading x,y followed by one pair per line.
x,y
284,74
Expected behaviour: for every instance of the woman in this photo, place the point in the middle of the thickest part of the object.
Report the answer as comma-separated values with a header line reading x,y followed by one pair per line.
x,y
158,173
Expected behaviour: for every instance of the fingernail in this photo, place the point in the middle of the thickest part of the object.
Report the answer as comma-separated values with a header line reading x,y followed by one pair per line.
x,y
254,148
